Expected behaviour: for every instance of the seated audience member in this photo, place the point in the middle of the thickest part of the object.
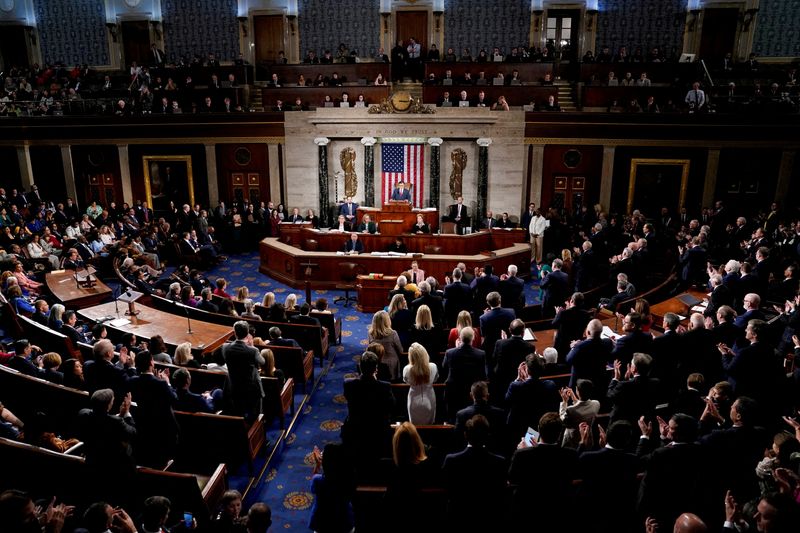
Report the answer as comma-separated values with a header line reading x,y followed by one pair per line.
x,y
367,226
420,226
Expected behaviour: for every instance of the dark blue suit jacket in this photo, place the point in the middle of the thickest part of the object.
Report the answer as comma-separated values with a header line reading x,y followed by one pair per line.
x,y
405,195
492,322
588,359
633,342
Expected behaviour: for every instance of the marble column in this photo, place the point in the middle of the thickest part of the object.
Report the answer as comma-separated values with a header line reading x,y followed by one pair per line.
x,y
369,169
536,170
324,192
710,185
125,174
483,180
435,173
25,166
784,177
69,174
211,172
607,178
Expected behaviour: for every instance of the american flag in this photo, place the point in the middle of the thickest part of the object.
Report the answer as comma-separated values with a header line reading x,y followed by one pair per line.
x,y
403,162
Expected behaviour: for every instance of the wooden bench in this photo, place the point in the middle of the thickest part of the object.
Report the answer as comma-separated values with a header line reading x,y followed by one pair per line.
x,y
330,322
27,395
46,474
211,438
653,295
48,339
294,364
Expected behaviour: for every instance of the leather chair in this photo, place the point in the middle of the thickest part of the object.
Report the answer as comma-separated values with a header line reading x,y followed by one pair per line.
x,y
432,249
311,245
348,273
448,227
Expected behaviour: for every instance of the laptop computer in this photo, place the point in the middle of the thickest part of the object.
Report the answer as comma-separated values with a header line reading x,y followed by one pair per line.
x,y
483,81
447,81
344,104
689,300
328,104
463,104
446,104
498,81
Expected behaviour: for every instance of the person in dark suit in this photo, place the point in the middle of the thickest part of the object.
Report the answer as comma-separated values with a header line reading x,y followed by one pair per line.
x,y
691,400
369,408
206,304
494,322
479,392
508,354
488,222
432,301
475,478
725,331
720,295
698,352
101,373
751,304
466,275
108,442
400,193
457,297
504,222
462,366
542,475
304,316
607,495
295,217
511,289
693,262
482,284
187,400
753,370
583,267
459,213
348,209
156,427
554,289
528,397
69,329
275,339
243,388
570,323
366,226
675,469
353,245
590,356
527,216
634,340
21,362
637,395
409,295
666,356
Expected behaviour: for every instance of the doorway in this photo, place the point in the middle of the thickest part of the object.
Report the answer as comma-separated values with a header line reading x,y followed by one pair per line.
x,y
12,54
719,32
268,37
136,41
412,24
561,31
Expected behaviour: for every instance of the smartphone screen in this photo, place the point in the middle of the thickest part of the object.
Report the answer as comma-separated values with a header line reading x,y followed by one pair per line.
x,y
187,520
531,437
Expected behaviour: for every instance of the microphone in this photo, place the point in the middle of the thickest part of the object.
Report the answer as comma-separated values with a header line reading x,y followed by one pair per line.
x,y
115,294
188,318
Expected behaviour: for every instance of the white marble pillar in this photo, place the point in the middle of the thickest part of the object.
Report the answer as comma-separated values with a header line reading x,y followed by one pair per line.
x,y
607,177
25,166
69,174
274,174
211,173
536,173
710,185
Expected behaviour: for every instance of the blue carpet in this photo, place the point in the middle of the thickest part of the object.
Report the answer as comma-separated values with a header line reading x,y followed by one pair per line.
x,y
285,484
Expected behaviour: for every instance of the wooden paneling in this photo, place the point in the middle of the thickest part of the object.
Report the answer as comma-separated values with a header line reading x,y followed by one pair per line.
x,y
268,37
199,171
747,178
135,41
719,33
412,24
314,96
48,172
97,173
515,96
243,168
554,166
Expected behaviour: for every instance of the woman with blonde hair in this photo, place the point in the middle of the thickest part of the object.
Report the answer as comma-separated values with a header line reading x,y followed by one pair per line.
x,y
381,331
290,304
566,262
402,319
268,368
268,300
413,471
464,320
242,294
420,374
425,333
183,356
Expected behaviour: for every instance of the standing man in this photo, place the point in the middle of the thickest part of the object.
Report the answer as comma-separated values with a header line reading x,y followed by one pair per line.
x,y
348,209
399,56
459,214
536,229
414,59
527,216
243,385
400,193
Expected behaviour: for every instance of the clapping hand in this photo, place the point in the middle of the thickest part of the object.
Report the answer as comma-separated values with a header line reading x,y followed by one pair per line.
x,y
617,369
732,511
651,525
601,436
645,427
586,434
796,341
663,427
522,372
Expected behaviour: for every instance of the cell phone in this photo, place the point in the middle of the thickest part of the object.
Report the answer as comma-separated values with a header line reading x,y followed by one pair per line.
x,y
188,519
531,437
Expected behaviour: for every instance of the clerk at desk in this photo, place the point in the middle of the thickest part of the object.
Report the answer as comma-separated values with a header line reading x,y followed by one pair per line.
x,y
353,246
367,226
341,224
420,226
400,193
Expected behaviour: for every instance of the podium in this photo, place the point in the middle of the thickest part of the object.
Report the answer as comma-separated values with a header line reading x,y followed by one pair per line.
x,y
130,297
396,218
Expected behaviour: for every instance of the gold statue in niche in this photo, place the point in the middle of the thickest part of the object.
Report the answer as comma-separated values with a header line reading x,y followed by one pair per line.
x,y
459,159
347,158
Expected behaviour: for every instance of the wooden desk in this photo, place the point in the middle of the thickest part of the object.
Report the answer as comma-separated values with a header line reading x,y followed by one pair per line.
x,y
674,305
66,290
516,95
604,96
315,96
285,263
373,294
352,72
291,234
528,72
474,243
397,218
205,337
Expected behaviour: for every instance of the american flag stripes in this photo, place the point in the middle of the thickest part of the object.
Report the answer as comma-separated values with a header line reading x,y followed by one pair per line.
x,y
403,162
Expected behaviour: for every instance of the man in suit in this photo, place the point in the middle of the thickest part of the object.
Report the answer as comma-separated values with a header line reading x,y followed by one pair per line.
x,y
675,469
488,222
698,352
508,354
634,340
511,289
753,370
570,323
341,224
157,57
275,339
529,397
354,245
243,387
466,275
348,209
590,356
304,317
189,401
42,313
69,329
527,216
494,322
474,478
635,396
751,304
457,297
296,217
542,475
433,302
479,392
366,226
693,262
554,289
459,213
369,409
584,266
462,366
505,222
409,295
156,427
483,282
206,303
666,356
21,362
607,495
400,193
720,295
101,373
